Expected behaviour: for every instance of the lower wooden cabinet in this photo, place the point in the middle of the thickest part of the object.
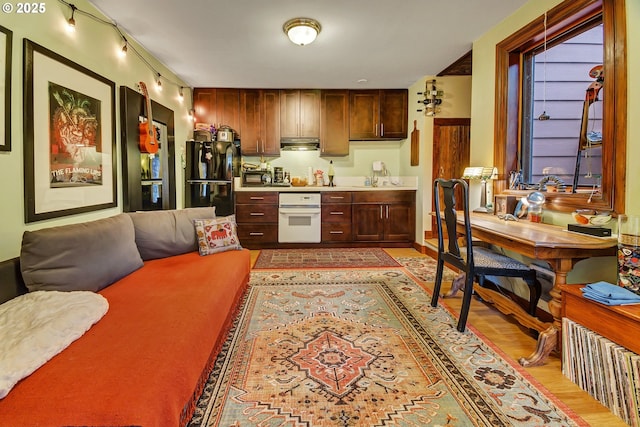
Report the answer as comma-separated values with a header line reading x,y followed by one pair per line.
x,y
257,218
362,218
336,216
384,216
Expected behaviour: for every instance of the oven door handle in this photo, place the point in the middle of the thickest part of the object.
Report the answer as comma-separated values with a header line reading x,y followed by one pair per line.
x,y
299,211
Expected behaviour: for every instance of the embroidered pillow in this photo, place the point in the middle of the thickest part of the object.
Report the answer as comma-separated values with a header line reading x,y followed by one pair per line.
x,y
217,235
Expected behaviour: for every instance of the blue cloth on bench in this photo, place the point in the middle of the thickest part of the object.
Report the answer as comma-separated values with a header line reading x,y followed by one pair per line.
x,y
610,294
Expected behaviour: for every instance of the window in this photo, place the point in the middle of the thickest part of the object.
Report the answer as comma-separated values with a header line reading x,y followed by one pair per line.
x,y
556,111
524,143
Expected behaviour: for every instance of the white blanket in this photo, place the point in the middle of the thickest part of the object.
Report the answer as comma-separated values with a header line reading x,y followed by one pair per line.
x,y
36,326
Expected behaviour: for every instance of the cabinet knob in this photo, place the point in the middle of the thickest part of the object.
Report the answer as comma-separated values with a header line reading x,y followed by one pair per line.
x,y
256,198
256,234
257,214
336,213
336,232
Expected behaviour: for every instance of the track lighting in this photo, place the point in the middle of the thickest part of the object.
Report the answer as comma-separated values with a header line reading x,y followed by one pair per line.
x,y
71,23
125,46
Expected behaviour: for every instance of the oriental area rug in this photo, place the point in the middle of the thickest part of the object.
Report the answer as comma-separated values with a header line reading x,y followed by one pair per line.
x,y
324,258
354,348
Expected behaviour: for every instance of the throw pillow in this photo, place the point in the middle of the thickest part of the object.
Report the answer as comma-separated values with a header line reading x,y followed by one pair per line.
x,y
161,234
79,257
217,235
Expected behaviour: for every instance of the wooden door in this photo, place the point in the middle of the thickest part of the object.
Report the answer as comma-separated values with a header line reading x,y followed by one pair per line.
x,y
364,114
204,104
228,108
289,113
368,221
394,113
451,151
309,113
270,116
400,222
250,122
334,123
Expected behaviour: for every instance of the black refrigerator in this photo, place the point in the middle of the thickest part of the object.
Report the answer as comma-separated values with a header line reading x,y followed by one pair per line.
x,y
210,169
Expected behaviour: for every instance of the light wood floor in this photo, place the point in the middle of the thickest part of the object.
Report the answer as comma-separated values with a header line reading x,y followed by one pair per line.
x,y
515,342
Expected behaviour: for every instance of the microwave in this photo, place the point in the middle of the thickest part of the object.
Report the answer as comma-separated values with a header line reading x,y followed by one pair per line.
x,y
256,178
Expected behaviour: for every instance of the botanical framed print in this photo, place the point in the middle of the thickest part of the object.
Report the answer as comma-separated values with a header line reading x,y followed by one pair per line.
x,y
6,43
69,137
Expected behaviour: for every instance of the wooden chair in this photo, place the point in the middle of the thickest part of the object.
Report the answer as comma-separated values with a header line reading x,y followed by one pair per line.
x,y
473,261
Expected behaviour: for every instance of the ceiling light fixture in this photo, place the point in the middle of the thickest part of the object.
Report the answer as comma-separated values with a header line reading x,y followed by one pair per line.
x,y
302,31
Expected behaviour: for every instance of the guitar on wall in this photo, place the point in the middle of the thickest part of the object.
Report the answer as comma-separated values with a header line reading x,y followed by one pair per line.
x,y
148,141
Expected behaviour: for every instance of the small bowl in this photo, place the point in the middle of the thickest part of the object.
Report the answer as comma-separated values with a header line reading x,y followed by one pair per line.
x,y
296,181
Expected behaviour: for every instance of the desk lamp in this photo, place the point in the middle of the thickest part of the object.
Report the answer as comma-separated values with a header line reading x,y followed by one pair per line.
x,y
483,174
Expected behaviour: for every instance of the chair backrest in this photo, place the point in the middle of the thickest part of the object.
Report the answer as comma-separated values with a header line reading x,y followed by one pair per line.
x,y
451,253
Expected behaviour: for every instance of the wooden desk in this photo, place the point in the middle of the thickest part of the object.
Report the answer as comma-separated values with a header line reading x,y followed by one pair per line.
x,y
553,244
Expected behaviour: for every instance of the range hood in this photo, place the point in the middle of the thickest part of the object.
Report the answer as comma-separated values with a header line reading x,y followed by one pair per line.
x,y
299,144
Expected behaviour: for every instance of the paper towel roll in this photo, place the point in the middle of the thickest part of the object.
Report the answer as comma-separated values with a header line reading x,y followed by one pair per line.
x,y
310,175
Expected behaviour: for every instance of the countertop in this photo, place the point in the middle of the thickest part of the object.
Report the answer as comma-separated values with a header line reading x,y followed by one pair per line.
x,y
405,183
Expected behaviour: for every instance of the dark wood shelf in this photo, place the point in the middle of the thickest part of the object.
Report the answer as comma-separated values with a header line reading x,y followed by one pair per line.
x,y
619,323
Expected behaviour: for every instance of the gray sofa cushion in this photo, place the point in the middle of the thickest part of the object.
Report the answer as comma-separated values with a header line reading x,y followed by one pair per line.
x,y
87,256
160,234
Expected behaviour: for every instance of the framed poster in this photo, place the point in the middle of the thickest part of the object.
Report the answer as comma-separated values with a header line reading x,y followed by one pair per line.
x,y
69,137
6,43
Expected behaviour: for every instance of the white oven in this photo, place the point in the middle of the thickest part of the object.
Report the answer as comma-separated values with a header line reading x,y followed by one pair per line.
x,y
299,218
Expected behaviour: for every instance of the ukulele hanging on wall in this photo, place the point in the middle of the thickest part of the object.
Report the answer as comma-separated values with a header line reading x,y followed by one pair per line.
x,y
148,141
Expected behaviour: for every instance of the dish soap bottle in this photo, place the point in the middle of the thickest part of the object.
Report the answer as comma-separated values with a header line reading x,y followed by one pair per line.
x,y
331,173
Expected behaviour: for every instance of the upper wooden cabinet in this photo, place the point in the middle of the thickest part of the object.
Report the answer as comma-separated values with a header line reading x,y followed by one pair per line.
x,y
378,114
260,122
217,106
334,123
300,113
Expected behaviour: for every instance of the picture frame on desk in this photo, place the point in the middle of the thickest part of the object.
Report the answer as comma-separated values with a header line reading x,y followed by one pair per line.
x,y
504,205
69,137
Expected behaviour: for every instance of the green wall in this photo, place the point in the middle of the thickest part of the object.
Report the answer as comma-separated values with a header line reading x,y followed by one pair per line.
x,y
94,46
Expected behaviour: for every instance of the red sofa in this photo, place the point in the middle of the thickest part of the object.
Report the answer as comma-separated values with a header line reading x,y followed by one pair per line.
x,y
146,361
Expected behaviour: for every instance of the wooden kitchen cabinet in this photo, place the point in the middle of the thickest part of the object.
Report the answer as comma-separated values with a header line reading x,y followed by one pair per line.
x,y
260,122
217,106
378,114
336,216
257,218
334,122
384,216
300,113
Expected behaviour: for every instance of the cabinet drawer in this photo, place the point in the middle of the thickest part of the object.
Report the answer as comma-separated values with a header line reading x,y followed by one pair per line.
x,y
257,213
257,197
336,197
336,232
390,196
337,213
257,233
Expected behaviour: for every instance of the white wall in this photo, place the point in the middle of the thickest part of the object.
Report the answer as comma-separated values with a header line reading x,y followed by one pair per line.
x,y
95,47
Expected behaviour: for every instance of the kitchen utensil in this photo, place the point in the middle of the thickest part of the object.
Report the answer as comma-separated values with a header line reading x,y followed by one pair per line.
x,y
415,145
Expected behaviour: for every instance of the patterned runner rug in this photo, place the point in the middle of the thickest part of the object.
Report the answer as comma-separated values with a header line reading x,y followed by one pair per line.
x,y
424,268
324,258
354,348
